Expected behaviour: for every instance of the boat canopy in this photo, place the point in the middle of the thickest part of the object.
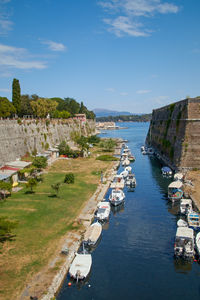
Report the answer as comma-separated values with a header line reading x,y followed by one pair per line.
x,y
178,176
186,201
175,185
166,169
185,232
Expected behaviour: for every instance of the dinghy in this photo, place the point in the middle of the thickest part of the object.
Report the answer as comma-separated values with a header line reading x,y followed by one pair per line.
x,y
80,266
92,234
166,171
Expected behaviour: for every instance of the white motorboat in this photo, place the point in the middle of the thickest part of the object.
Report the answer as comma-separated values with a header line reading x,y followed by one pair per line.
x,y
103,211
126,162
178,176
184,242
175,190
197,240
124,156
131,181
193,219
117,182
128,169
127,151
124,173
92,234
80,266
142,148
144,152
182,223
117,197
185,206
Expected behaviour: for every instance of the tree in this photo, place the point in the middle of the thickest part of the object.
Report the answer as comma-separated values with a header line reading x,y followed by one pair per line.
x,y
63,148
5,187
26,108
83,143
41,107
16,95
56,187
32,182
6,227
69,178
7,109
40,162
108,145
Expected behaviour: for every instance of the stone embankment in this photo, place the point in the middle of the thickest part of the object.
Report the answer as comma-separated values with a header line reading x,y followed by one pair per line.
x,y
174,133
17,137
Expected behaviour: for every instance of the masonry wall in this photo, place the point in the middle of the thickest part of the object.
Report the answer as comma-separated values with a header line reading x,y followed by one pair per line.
x,y
175,133
17,138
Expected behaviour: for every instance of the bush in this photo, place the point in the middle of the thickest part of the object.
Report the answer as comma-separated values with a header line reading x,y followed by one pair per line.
x,y
93,139
69,178
6,227
40,162
107,158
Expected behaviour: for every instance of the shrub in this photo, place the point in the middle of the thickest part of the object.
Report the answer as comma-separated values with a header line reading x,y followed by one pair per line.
x,y
19,121
40,162
93,139
6,227
69,178
31,183
107,158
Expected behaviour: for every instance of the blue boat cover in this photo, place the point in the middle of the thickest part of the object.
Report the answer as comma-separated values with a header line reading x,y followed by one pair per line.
x,y
166,169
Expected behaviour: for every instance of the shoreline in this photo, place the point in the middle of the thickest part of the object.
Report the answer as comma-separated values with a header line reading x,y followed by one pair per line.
x,y
72,240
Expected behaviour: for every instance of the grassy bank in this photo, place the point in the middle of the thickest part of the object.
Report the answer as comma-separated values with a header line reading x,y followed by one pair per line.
x,y
43,219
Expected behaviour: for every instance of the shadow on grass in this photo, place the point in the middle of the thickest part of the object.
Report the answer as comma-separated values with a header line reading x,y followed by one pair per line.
x,y
29,192
53,196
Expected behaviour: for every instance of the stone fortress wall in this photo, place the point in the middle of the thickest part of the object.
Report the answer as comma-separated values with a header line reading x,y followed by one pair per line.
x,y
174,133
17,137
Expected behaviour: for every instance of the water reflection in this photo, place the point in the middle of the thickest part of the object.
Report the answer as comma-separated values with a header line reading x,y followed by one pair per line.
x,y
117,209
182,266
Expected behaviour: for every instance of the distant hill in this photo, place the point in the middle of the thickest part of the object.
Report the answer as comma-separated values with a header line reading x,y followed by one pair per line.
x,y
101,112
126,118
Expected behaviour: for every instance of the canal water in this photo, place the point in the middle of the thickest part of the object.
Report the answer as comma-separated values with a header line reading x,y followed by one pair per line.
x,y
134,259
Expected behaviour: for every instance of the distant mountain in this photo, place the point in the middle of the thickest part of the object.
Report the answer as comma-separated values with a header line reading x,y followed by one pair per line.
x,y
101,112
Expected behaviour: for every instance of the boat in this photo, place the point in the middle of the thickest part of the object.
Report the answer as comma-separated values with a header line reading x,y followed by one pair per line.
x,y
124,156
126,162
117,197
131,157
92,234
103,211
182,223
185,206
80,266
117,182
144,152
126,151
175,190
142,148
150,151
128,169
131,181
193,219
178,176
184,242
166,171
197,241
124,173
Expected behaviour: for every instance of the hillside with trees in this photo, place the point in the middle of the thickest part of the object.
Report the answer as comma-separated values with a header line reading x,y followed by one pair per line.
x,y
40,107
125,118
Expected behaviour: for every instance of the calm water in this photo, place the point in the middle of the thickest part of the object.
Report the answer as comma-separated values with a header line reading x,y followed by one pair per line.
x,y
134,259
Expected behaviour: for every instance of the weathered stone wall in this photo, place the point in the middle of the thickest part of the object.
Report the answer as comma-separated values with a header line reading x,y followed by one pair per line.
x,y
17,138
175,133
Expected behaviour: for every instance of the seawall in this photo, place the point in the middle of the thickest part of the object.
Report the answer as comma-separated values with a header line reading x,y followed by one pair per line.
x,y
174,133
17,137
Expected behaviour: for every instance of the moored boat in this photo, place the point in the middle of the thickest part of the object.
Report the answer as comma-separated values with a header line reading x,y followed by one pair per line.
x,y
184,242
182,223
185,206
117,182
175,190
178,176
131,181
116,197
92,234
193,219
166,171
103,211
128,169
126,162
80,266
124,173
197,241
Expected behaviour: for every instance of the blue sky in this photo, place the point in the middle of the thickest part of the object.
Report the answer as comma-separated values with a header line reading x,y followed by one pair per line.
x,y
133,55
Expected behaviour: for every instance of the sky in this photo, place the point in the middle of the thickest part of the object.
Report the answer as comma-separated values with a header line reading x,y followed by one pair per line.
x,y
125,55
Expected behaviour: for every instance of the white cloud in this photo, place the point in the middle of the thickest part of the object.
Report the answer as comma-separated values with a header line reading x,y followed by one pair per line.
x,y
18,58
143,91
53,46
5,23
110,90
123,94
125,14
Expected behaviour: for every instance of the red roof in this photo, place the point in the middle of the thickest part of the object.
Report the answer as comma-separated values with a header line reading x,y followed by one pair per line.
x,y
9,168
